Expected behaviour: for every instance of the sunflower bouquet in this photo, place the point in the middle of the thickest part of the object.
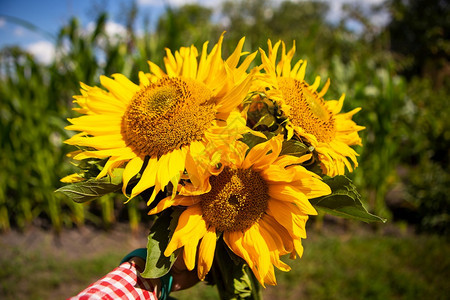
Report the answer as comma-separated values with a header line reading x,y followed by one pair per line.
x,y
231,159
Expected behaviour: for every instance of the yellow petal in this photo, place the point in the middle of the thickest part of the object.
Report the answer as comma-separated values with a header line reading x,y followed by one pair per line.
x,y
101,102
174,201
235,96
274,173
315,85
259,151
233,240
117,89
101,123
298,247
233,59
301,72
258,250
203,66
111,164
143,79
105,153
286,160
127,84
195,170
190,226
206,253
189,254
289,216
148,178
278,232
270,157
72,178
156,70
295,69
268,66
98,142
274,242
162,168
324,89
286,192
133,167
311,187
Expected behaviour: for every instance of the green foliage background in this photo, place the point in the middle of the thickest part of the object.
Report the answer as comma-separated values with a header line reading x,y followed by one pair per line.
x,y
404,93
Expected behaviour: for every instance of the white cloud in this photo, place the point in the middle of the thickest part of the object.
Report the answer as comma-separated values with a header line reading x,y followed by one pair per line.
x,y
115,29
2,22
112,29
335,7
19,31
43,51
276,2
147,2
335,12
175,3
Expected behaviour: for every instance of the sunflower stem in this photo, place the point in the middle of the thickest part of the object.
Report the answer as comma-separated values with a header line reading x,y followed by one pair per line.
x,y
233,278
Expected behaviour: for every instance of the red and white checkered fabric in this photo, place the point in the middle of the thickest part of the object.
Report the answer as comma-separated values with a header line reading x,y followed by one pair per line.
x,y
121,283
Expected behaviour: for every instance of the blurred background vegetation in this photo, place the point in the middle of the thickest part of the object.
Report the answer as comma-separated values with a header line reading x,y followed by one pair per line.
x,y
398,73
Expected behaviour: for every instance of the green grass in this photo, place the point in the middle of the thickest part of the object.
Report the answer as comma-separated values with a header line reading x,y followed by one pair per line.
x,y
369,267
351,266
35,275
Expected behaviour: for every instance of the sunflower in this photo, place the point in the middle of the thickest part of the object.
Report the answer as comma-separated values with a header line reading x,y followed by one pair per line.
x,y
311,119
257,201
160,127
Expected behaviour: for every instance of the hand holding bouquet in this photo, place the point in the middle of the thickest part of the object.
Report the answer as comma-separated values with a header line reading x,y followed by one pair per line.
x,y
242,157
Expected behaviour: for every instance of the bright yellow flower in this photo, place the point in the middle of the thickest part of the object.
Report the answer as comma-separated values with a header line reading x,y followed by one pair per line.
x,y
72,178
258,201
160,127
312,119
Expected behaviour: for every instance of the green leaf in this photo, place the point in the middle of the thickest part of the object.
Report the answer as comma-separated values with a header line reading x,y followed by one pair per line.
x,y
295,148
265,120
157,264
234,279
90,167
252,140
344,201
91,189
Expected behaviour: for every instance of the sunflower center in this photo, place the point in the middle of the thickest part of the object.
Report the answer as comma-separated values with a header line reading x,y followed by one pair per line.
x,y
167,115
238,198
308,109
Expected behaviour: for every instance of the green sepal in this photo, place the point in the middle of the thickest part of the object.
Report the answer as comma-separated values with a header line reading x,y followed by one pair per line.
x,y
91,189
295,148
252,140
344,201
263,114
90,167
290,147
157,264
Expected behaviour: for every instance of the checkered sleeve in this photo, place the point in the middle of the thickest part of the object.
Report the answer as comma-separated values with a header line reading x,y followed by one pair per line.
x,y
121,283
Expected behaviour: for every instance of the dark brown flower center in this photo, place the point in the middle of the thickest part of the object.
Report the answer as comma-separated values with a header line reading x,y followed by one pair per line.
x,y
308,110
238,199
166,115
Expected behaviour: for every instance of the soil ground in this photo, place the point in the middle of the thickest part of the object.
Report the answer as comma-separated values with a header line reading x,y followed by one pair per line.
x,y
69,261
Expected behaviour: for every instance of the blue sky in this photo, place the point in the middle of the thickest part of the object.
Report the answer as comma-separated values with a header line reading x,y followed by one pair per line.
x,y
49,16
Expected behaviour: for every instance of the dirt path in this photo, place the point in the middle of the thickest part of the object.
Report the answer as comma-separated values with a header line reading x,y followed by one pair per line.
x,y
45,248
86,241
79,245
